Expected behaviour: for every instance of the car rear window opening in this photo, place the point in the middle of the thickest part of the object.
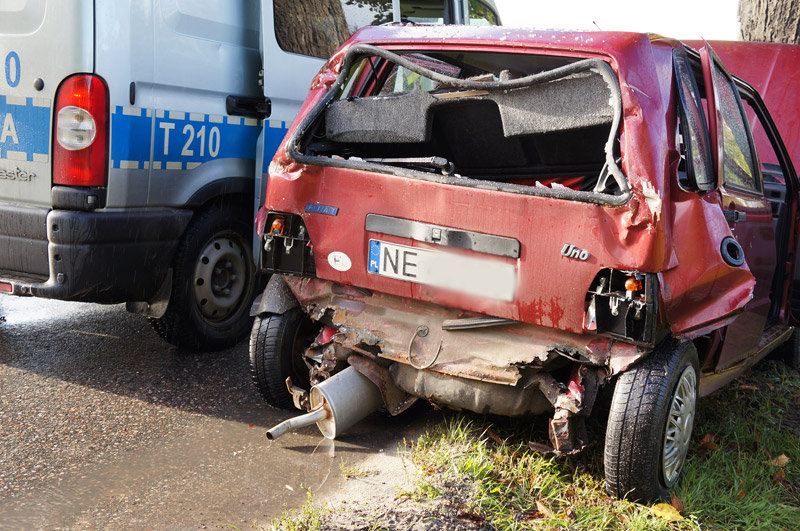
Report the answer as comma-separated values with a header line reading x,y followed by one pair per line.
x,y
524,123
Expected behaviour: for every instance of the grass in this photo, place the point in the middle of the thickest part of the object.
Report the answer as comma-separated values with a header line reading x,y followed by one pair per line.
x,y
743,470
310,517
355,471
730,480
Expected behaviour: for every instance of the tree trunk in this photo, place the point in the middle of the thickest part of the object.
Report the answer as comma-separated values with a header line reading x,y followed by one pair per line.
x,y
310,27
770,21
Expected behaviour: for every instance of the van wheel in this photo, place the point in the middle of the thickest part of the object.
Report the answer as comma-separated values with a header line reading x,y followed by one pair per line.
x,y
650,423
277,343
212,284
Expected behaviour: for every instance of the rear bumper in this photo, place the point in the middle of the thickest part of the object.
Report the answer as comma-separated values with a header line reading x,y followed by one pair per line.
x,y
106,257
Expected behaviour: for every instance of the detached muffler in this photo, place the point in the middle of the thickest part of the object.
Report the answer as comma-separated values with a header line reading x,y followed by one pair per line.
x,y
336,405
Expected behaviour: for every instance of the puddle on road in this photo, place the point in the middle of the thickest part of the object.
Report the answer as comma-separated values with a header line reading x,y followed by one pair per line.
x,y
225,472
214,469
32,310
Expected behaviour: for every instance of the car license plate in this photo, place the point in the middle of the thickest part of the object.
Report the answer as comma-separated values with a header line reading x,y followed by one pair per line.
x,y
471,275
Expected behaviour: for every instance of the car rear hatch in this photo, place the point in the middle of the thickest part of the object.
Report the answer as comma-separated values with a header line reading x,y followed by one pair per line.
x,y
41,43
483,181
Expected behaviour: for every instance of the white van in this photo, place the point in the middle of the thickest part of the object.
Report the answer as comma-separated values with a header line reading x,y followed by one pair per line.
x,y
132,152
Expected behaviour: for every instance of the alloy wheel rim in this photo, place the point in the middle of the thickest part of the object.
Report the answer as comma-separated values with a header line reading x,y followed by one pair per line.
x,y
220,278
678,431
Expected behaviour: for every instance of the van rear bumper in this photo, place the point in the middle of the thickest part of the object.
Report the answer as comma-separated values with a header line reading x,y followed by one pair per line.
x,y
106,257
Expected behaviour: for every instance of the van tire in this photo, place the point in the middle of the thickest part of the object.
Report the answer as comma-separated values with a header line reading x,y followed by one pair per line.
x,y
212,284
645,398
277,343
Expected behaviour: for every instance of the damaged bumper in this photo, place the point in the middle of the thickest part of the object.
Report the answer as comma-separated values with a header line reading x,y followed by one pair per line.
x,y
460,360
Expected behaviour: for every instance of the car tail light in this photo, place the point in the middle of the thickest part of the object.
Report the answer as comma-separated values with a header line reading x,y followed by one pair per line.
x,y
623,305
80,143
286,247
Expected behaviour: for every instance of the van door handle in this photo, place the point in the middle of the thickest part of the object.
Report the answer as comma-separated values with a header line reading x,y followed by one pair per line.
x,y
734,216
258,108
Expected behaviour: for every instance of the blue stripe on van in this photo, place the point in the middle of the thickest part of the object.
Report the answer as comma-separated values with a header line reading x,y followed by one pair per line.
x,y
274,132
24,130
130,136
181,140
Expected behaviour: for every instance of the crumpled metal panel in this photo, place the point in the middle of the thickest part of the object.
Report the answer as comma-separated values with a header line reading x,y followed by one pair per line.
x,y
493,354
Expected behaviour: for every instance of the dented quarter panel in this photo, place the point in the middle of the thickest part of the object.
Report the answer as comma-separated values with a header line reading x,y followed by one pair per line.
x,y
705,291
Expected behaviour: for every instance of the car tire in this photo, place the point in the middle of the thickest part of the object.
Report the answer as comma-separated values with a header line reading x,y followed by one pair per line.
x,y
212,283
277,343
650,423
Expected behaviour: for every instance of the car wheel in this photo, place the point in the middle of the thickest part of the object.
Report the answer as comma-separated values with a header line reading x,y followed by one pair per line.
x,y
212,283
650,423
277,344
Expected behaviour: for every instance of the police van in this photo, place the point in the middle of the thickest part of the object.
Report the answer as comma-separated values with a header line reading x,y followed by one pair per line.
x,y
134,137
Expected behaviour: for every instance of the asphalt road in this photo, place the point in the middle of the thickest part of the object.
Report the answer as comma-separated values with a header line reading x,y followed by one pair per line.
x,y
104,425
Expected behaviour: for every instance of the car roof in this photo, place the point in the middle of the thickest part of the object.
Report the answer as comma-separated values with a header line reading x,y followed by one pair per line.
x,y
611,43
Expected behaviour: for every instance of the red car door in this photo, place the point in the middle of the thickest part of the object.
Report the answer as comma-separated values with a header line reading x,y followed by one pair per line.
x,y
747,211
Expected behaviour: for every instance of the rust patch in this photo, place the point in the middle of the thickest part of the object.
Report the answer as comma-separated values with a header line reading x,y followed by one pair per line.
x,y
395,399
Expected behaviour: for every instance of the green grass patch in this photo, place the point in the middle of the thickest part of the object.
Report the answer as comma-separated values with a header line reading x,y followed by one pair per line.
x,y
735,476
743,471
310,517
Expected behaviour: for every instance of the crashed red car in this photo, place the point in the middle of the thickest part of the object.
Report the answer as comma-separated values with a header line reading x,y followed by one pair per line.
x,y
506,221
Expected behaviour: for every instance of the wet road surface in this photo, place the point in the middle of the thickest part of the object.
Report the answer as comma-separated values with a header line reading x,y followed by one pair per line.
x,y
103,424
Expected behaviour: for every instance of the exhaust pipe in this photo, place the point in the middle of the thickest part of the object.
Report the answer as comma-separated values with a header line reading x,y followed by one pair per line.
x,y
336,405
298,422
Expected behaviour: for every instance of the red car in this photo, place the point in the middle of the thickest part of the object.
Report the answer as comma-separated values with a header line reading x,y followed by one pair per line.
x,y
507,221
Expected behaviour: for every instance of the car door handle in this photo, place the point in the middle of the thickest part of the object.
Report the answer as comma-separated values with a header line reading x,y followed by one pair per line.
x,y
734,216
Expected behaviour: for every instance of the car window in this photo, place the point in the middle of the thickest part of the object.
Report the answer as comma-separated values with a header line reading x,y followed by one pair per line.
x,y
697,170
765,152
738,161
480,14
420,11
401,79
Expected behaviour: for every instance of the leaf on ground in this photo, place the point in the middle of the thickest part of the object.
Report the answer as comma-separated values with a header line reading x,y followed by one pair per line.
x,y
779,477
780,461
541,448
707,445
544,509
496,438
746,387
677,503
740,495
667,512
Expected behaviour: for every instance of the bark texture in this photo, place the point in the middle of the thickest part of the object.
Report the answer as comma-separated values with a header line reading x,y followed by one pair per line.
x,y
770,21
310,27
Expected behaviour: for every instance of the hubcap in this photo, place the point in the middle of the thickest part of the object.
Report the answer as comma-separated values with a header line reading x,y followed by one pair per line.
x,y
680,420
220,278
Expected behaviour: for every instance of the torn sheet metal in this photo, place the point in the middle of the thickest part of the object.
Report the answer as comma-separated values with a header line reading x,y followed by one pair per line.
x,y
494,354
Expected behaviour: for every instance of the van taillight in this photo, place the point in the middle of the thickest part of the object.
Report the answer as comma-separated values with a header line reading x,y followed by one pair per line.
x,y
80,135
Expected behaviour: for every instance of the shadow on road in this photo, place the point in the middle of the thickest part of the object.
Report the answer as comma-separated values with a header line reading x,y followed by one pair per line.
x,y
107,349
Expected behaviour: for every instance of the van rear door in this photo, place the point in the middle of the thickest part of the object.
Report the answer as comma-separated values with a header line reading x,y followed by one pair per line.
x,y
41,43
